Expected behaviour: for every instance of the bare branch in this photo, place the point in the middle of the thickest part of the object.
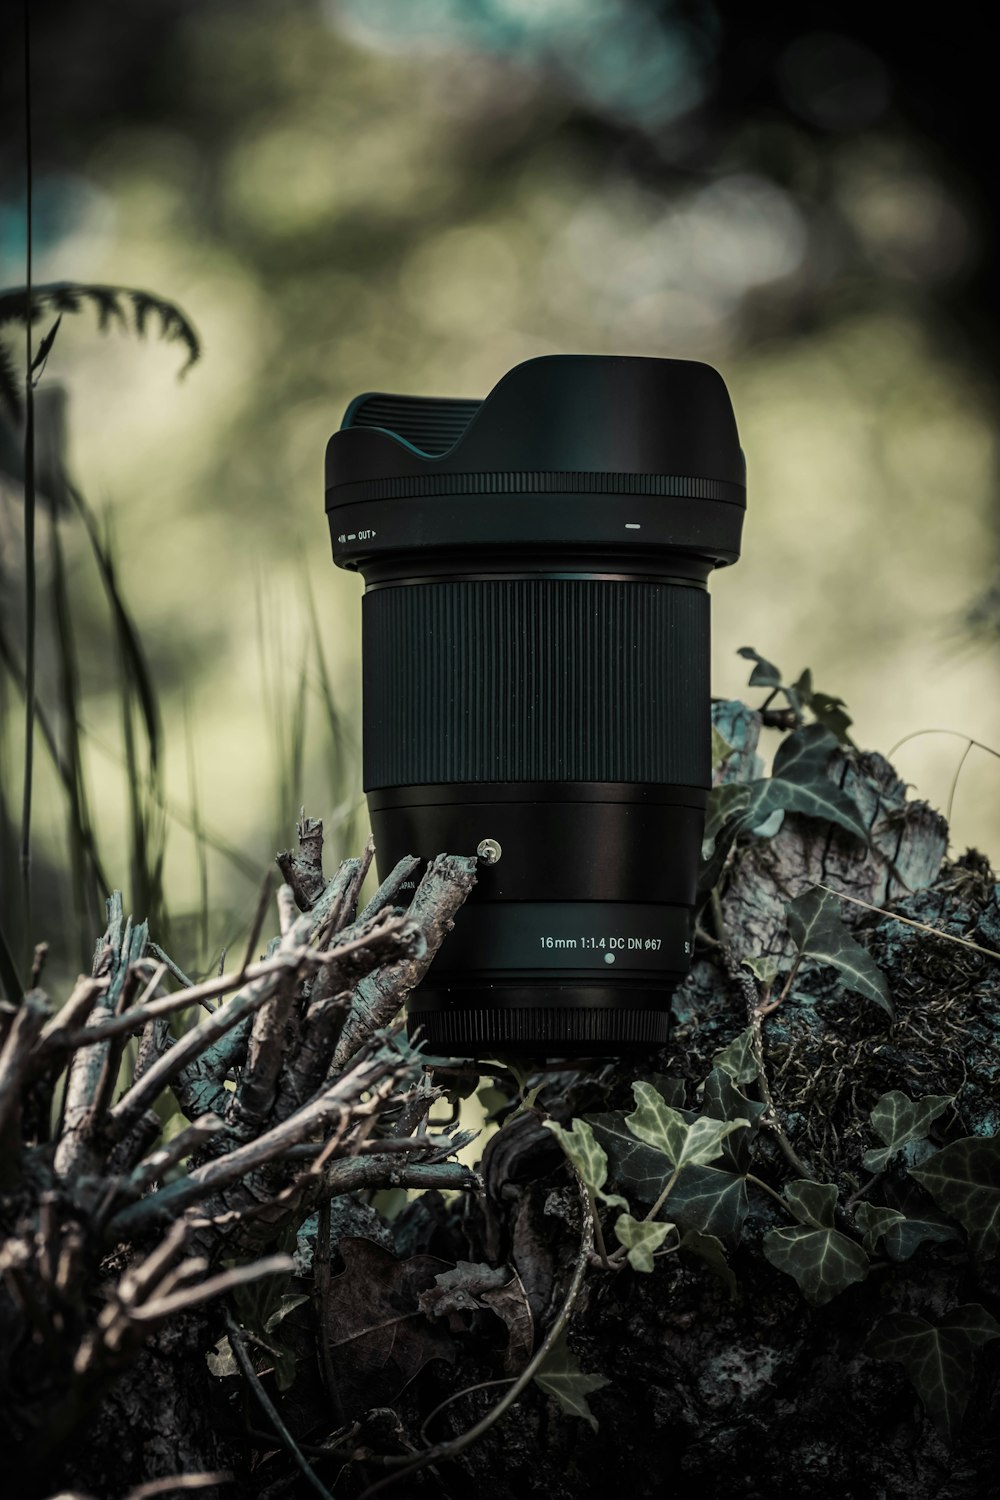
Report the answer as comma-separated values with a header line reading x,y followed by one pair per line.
x,y
377,998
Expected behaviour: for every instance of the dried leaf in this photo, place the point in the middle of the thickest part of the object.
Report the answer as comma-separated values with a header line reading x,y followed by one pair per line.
x,y
469,1287
381,1337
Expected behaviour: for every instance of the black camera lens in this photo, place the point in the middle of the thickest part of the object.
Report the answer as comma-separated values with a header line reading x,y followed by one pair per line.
x,y
535,668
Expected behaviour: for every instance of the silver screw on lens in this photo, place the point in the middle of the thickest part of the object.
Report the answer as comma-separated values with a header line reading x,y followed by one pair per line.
x,y
489,851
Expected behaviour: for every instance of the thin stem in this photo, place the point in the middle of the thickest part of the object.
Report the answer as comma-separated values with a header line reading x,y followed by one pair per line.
x,y
667,1190
30,583
481,1385
910,922
767,1188
598,1231
253,1380
459,1444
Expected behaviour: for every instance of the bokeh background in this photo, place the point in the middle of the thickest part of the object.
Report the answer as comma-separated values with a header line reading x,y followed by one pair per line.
x,y
413,195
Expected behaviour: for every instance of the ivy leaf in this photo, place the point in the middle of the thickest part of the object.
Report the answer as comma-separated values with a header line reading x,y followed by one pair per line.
x,y
561,1377
821,798
587,1156
737,1058
801,761
640,1238
897,1119
712,1252
666,1130
963,1178
657,1123
817,931
823,1262
764,674
635,1167
721,748
722,1100
903,1240
705,1200
764,968
938,1359
875,1221
723,802
812,1203
832,715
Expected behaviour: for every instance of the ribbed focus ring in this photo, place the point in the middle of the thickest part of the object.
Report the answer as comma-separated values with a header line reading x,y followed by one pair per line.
x,y
536,679
555,1025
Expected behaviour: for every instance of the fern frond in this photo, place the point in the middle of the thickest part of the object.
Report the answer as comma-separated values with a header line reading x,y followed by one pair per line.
x,y
70,297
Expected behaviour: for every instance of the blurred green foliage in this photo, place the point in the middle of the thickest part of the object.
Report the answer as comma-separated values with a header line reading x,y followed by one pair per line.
x,y
415,195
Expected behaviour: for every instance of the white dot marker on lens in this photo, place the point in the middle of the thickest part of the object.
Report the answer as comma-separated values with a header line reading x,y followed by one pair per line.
x,y
609,958
632,525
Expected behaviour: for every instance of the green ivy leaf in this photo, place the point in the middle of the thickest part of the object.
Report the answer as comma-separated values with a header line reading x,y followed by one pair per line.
x,y
897,1119
705,1200
657,1123
712,1252
875,1221
963,1178
821,798
812,1203
938,1359
640,1238
832,714
587,1156
721,748
723,801
764,674
637,1168
817,931
801,761
666,1130
823,1262
737,1058
561,1377
722,1100
903,1240
765,968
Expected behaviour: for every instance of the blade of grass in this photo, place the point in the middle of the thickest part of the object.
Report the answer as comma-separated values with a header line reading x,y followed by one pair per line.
x,y
29,505
85,878
201,858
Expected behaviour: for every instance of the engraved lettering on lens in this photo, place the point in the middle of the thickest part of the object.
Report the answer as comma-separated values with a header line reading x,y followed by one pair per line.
x,y
535,667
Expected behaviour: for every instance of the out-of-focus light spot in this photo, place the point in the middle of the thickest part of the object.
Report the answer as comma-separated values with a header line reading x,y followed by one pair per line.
x,y
907,221
465,282
834,82
675,270
646,68
66,209
745,232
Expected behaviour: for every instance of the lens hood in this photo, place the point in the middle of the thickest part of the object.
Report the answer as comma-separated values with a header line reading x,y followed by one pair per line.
x,y
535,464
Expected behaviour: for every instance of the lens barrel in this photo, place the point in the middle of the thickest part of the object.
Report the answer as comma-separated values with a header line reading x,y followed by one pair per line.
x,y
535,663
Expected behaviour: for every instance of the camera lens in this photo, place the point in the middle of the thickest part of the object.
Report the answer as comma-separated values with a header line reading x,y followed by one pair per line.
x,y
535,677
